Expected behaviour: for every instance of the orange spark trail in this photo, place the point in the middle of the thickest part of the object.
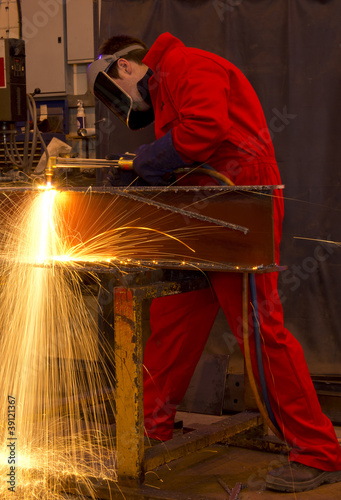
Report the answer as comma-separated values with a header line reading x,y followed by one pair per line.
x,y
51,368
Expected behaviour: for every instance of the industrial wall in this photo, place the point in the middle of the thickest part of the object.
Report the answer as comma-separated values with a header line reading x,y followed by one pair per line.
x,y
290,51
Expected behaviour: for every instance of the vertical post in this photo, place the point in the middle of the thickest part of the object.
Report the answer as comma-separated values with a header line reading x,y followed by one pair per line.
x,y
129,385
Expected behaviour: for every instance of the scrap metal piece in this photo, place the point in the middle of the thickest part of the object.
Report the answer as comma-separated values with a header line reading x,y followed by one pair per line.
x,y
233,494
224,486
235,491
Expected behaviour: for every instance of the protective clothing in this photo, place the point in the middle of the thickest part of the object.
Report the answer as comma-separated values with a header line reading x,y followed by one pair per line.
x,y
215,116
209,105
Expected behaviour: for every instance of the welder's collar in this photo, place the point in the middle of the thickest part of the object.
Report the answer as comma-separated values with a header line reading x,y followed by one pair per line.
x,y
143,87
162,46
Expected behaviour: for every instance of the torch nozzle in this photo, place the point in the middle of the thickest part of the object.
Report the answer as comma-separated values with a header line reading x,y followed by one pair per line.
x,y
51,163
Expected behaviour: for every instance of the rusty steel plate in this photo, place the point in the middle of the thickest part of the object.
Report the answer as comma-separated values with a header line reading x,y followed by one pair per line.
x,y
144,228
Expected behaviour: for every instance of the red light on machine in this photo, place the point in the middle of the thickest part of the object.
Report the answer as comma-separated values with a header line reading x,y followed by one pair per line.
x,y
2,73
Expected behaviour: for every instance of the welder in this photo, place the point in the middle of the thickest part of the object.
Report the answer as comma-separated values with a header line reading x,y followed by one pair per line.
x,y
205,111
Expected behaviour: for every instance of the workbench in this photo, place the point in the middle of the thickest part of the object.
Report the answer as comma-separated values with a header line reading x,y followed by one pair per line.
x,y
133,460
121,299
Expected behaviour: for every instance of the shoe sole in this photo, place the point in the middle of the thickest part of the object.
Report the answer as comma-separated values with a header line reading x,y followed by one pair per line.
x,y
324,478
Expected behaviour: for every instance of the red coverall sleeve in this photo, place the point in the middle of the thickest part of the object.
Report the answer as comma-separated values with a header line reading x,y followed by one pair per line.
x,y
199,91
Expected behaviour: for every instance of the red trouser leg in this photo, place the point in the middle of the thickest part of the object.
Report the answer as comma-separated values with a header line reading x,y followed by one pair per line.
x,y
180,328
179,335
291,391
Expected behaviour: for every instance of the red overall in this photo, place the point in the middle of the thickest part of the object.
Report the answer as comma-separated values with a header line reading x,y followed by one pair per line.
x,y
216,118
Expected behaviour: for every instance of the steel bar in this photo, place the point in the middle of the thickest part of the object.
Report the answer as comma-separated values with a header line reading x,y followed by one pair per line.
x,y
183,212
198,439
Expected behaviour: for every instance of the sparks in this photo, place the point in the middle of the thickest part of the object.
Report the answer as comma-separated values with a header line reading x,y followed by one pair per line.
x,y
50,361
48,337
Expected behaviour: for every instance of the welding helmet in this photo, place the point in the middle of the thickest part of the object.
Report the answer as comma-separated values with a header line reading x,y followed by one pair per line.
x,y
112,95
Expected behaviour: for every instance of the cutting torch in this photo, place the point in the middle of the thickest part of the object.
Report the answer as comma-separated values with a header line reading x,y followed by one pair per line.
x,y
125,162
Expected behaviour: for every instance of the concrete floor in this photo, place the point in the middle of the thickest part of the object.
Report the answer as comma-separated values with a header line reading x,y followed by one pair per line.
x,y
198,474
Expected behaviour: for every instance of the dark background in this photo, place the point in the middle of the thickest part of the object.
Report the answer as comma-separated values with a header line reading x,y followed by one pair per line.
x,y
290,51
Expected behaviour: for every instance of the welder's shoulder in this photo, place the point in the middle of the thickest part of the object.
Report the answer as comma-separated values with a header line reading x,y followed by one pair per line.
x,y
212,62
189,61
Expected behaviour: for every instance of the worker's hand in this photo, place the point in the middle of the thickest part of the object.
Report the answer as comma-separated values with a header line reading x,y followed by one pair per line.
x,y
154,160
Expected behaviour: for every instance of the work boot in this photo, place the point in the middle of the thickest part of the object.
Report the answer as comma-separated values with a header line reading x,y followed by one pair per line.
x,y
296,477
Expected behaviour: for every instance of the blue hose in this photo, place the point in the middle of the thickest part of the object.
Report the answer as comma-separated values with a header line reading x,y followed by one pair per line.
x,y
259,350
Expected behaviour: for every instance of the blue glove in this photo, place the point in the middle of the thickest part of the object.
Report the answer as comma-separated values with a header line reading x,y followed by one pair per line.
x,y
154,160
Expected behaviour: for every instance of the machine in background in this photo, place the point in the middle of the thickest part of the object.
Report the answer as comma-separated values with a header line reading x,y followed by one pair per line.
x,y
12,83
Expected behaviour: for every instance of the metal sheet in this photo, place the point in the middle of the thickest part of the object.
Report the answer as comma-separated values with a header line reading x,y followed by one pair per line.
x,y
205,393
91,213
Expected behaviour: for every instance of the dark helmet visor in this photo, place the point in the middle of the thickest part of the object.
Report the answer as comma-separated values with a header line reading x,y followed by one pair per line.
x,y
113,96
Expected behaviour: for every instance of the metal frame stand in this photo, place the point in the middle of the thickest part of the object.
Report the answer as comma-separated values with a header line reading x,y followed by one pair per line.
x,y
132,459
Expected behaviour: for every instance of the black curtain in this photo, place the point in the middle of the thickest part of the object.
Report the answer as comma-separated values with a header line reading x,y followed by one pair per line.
x,y
290,51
